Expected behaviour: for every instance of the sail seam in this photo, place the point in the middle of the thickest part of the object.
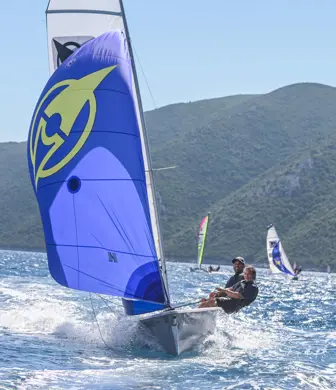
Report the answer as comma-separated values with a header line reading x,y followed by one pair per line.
x,y
106,131
74,209
82,11
119,228
104,248
64,181
132,296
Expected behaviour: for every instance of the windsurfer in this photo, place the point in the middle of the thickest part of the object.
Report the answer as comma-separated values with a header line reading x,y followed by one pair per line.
x,y
232,299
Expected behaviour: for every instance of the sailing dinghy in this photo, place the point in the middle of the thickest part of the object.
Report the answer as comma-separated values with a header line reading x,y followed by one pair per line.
x,y
90,168
201,239
277,258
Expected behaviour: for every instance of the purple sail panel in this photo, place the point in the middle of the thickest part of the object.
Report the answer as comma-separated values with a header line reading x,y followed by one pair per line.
x,y
86,166
277,260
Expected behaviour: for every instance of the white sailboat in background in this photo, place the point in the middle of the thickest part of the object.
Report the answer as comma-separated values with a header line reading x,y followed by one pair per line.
x,y
276,255
92,175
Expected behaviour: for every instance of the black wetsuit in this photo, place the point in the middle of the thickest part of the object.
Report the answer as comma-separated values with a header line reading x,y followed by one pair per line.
x,y
249,292
237,277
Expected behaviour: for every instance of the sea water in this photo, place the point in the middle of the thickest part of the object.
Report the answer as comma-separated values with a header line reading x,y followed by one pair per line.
x,y
56,338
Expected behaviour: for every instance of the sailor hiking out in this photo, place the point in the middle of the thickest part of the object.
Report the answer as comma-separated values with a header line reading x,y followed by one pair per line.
x,y
234,298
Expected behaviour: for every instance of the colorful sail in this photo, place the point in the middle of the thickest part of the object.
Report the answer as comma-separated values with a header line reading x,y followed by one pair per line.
x,y
277,258
202,238
271,240
87,167
280,260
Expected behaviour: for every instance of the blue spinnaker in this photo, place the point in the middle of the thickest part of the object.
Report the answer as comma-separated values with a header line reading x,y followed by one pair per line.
x,y
277,261
86,166
140,307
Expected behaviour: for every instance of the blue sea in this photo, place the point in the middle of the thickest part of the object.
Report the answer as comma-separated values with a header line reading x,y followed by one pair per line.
x,y
50,337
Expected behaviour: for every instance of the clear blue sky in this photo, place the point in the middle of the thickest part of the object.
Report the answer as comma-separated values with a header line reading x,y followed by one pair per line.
x,y
188,51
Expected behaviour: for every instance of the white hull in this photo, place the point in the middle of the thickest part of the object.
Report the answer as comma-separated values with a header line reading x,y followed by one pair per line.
x,y
181,330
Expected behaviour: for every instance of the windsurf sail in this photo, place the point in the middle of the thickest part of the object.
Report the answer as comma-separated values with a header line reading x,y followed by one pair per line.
x,y
89,165
203,228
277,258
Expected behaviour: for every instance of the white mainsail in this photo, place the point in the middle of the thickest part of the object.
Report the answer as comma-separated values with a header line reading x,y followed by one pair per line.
x,y
71,23
271,240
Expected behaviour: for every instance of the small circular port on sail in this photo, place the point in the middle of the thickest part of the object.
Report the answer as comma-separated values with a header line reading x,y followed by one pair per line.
x,y
74,184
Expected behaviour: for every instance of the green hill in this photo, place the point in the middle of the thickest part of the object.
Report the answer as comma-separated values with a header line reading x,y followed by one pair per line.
x,y
297,197
249,159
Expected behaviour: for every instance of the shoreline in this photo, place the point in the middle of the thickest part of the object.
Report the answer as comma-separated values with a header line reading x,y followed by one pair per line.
x,y
18,249
187,260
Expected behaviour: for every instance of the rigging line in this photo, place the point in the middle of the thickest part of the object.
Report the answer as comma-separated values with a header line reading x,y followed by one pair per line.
x,y
107,304
184,304
95,317
144,76
133,297
190,303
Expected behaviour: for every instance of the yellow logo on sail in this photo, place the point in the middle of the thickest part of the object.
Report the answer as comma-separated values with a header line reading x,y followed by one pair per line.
x,y
68,104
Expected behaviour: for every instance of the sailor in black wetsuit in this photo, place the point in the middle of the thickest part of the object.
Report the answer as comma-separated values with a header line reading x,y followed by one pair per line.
x,y
238,267
232,299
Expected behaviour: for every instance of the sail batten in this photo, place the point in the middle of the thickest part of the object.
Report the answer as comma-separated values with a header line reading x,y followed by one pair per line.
x,y
82,11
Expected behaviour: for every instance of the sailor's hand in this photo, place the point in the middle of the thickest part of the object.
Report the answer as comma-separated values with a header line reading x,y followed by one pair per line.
x,y
222,293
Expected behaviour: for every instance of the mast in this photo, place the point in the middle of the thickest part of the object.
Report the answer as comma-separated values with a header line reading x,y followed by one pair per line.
x,y
154,218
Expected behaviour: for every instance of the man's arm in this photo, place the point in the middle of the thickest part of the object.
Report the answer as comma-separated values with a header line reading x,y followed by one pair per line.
x,y
232,294
222,292
223,289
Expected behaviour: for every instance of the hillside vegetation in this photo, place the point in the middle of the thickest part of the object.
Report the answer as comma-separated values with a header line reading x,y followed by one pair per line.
x,y
249,159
